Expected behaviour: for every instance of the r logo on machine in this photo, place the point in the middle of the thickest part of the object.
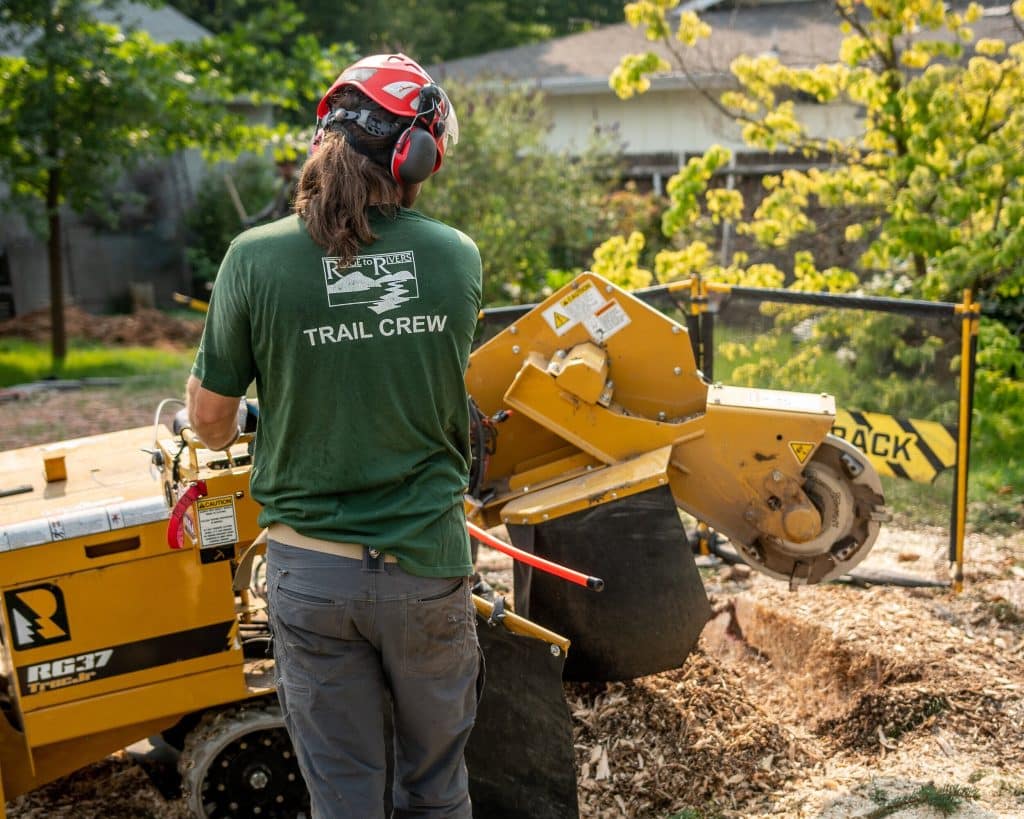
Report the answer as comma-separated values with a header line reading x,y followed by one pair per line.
x,y
382,281
37,616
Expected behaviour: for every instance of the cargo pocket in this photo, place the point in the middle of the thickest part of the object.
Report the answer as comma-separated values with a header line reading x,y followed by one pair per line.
x,y
437,631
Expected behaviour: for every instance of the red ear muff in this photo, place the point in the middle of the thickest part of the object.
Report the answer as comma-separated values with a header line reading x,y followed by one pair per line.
x,y
414,157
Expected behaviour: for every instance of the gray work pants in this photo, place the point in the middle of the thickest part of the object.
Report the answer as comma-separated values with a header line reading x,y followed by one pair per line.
x,y
347,633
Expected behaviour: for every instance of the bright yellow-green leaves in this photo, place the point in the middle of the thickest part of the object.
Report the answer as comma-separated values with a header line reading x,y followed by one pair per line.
x,y
687,188
782,215
697,258
807,277
618,260
929,192
630,76
934,177
651,15
692,29
673,265
724,204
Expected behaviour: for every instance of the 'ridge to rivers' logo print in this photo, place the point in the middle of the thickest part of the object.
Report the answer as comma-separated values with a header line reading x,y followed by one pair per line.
x,y
382,281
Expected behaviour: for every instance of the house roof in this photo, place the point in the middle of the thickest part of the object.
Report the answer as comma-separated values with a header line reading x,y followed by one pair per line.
x,y
164,25
799,33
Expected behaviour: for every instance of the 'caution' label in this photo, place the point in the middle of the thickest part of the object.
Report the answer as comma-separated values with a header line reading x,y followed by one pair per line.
x,y
217,525
606,321
576,306
899,447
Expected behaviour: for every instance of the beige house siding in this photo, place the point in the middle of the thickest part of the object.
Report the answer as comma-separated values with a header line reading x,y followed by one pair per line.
x,y
673,121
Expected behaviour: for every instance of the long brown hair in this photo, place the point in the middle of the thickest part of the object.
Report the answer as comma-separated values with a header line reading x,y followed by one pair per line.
x,y
338,183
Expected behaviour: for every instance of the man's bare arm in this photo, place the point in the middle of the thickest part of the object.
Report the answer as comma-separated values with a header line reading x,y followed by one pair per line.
x,y
214,417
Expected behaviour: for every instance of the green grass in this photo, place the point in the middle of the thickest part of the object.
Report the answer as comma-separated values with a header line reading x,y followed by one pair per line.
x,y
945,800
23,362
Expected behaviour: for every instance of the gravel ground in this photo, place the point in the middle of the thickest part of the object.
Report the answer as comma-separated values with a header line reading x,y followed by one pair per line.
x,y
827,702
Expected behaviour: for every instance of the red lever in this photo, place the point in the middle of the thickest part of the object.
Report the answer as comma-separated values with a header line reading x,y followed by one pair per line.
x,y
558,570
175,537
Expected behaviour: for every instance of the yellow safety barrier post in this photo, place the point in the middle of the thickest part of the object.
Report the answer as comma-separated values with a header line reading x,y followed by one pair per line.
x,y
191,303
969,312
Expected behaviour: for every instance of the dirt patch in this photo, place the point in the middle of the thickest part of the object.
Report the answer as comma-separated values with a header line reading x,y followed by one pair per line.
x,y
115,788
41,417
890,688
144,328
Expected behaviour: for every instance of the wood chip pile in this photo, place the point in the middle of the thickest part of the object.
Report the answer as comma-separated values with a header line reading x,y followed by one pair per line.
x,y
805,705
144,328
653,746
869,667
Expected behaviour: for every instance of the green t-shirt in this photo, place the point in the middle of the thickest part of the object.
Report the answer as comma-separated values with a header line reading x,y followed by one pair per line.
x,y
364,426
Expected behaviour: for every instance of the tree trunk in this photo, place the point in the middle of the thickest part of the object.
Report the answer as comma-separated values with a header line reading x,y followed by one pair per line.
x,y
58,337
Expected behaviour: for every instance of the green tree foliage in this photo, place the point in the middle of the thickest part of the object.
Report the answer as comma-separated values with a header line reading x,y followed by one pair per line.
x,y
214,220
430,30
88,99
529,209
935,178
265,52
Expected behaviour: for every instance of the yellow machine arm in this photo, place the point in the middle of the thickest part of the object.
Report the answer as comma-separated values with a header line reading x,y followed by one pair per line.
x,y
607,402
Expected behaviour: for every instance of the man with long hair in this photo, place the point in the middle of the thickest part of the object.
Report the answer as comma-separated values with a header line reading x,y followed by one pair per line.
x,y
355,316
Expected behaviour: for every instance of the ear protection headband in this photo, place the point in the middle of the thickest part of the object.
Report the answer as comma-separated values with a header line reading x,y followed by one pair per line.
x,y
416,154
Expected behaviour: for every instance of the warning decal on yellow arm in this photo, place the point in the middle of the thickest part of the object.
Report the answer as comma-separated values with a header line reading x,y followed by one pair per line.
x,y
801,449
899,447
578,305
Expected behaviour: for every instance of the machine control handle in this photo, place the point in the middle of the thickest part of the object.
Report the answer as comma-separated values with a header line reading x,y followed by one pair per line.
x,y
175,537
565,573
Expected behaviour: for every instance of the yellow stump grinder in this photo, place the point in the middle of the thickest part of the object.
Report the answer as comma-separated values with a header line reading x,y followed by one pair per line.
x,y
131,609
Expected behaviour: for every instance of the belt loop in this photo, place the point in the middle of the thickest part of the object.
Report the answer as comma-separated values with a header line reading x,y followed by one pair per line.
x,y
372,558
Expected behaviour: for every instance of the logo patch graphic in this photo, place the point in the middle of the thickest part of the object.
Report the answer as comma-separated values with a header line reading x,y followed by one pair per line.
x,y
37,616
401,88
381,281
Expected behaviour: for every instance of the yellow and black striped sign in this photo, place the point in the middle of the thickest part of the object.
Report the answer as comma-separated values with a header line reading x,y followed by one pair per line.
x,y
899,447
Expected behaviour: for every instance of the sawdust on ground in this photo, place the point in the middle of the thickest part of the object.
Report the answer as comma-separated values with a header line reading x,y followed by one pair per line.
x,y
815,703
825,702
